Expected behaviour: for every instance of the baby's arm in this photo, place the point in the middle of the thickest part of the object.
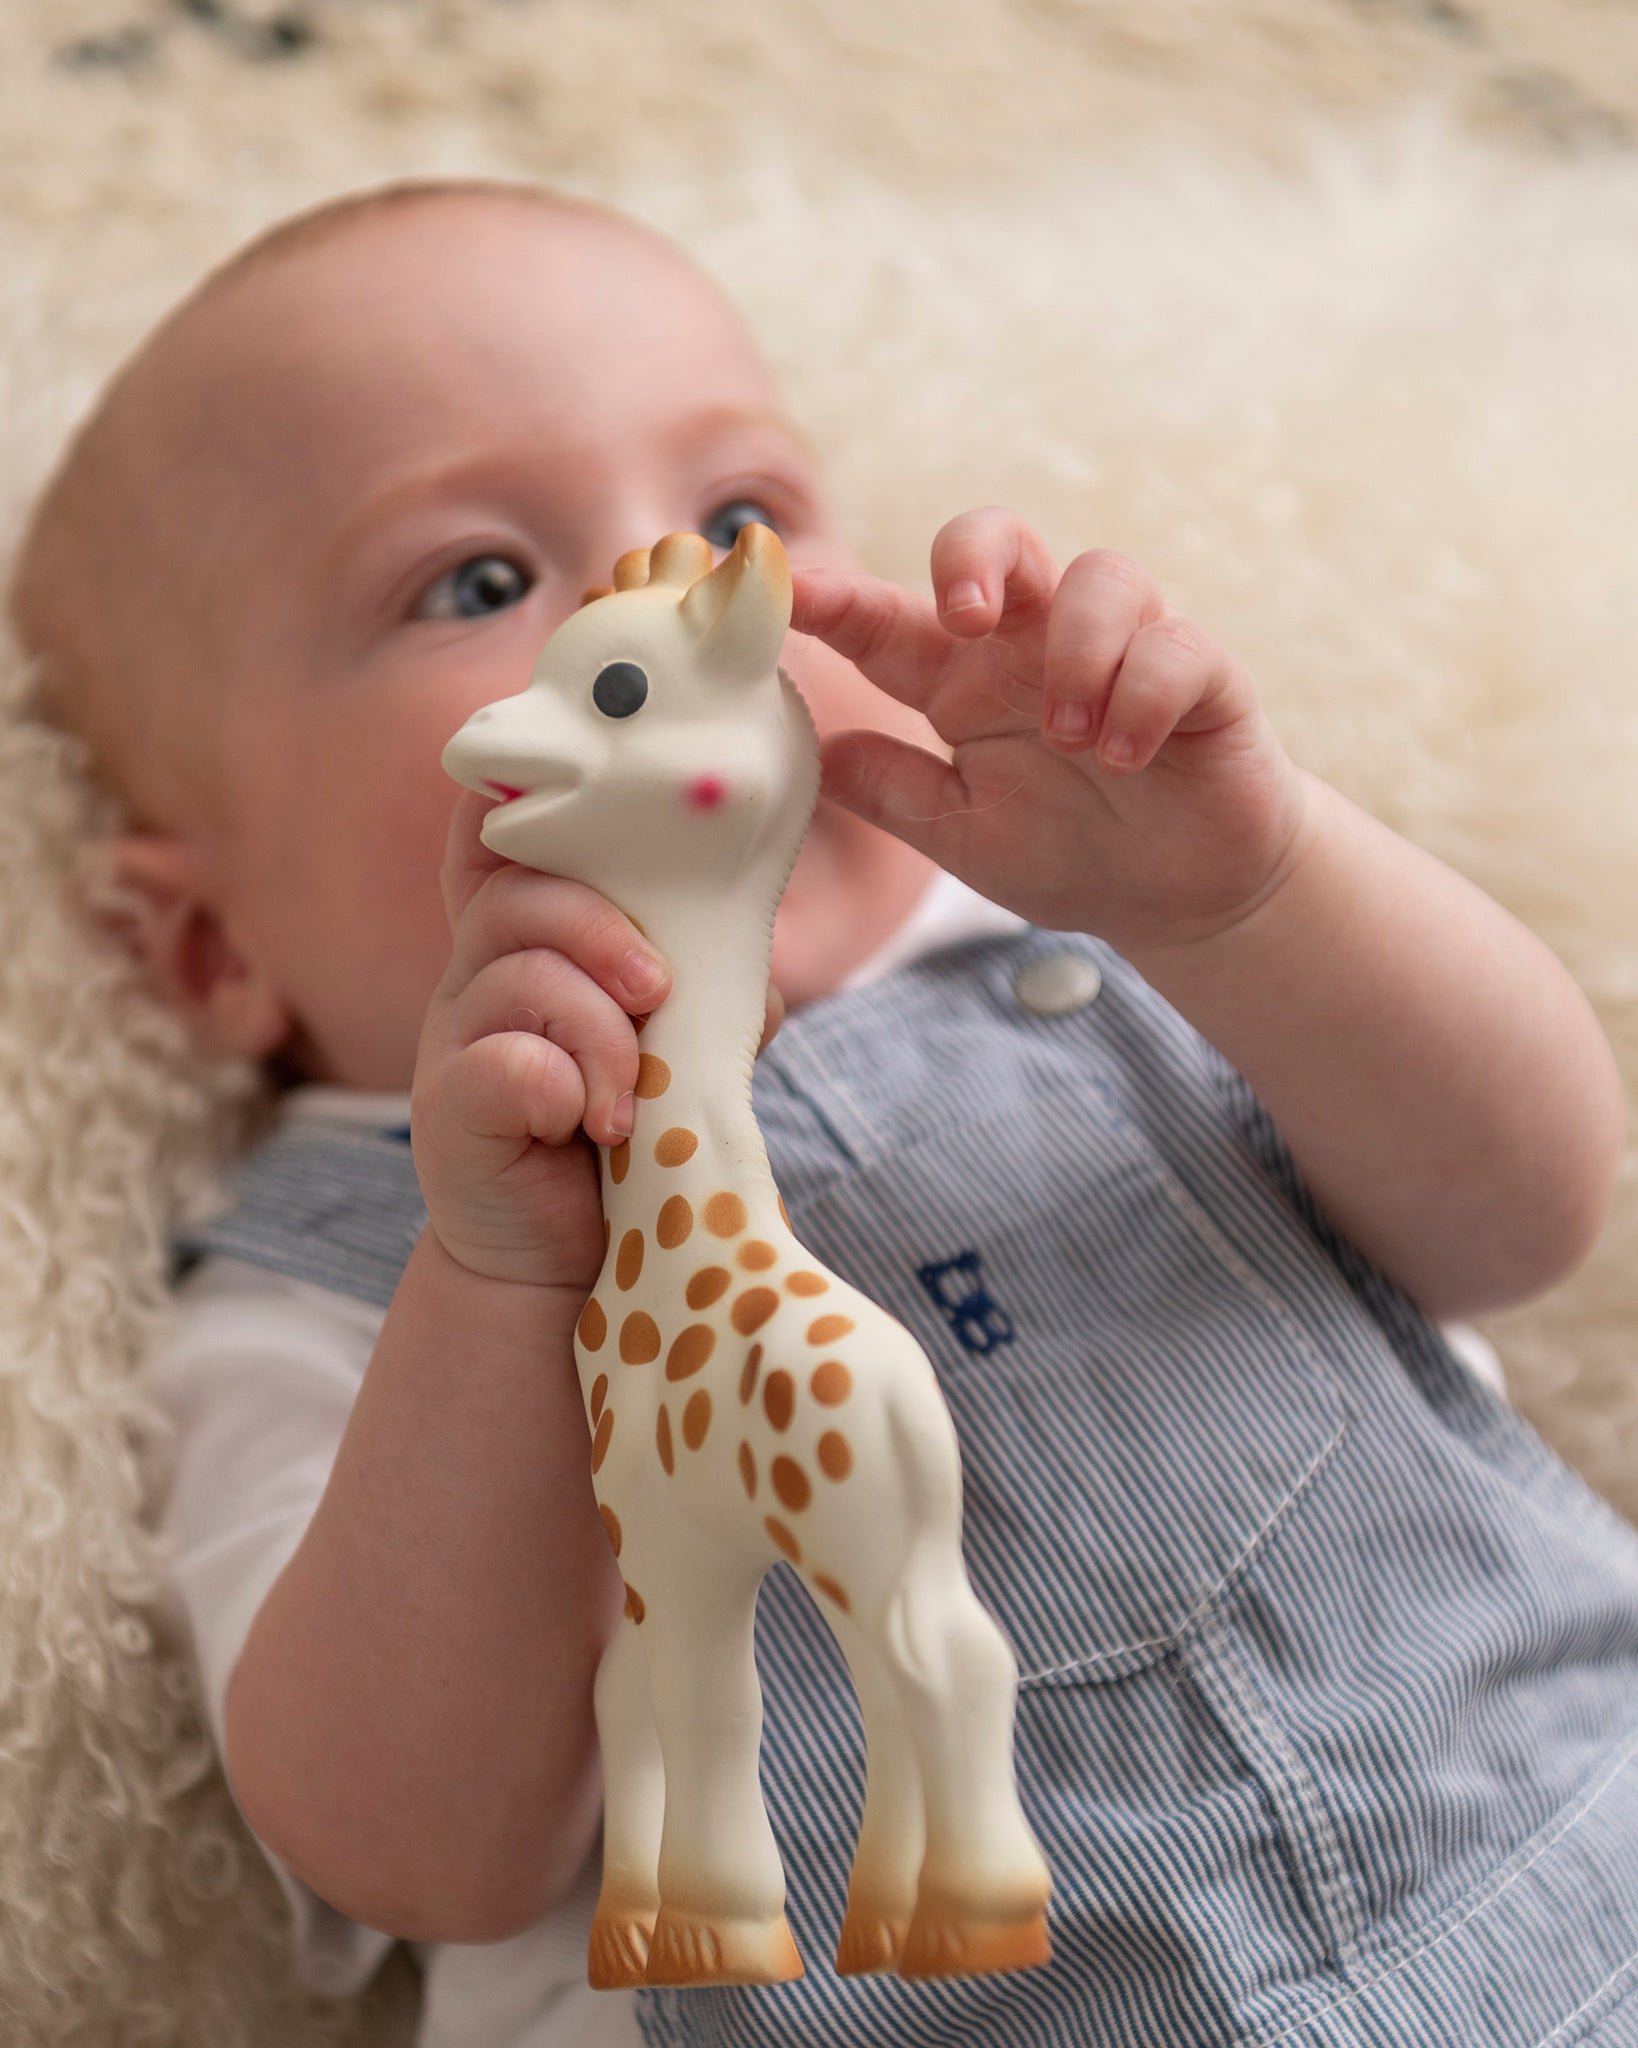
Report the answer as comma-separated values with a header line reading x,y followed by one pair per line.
x,y
409,1727
1439,1078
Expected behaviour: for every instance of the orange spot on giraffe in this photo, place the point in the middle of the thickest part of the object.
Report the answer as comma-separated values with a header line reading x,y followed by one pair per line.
x,y
831,1383
779,1398
753,1309
611,1522
690,1351
709,1284
600,1442
725,1215
756,1255
675,1147
600,1393
747,1379
629,1264
832,1591
593,1326
747,1470
676,1221
619,1161
826,1329
653,1076
634,1605
791,1484
639,1339
662,1439
834,1454
783,1537
806,1283
696,1419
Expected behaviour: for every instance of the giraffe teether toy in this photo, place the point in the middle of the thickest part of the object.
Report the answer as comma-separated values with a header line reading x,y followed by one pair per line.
x,y
745,1404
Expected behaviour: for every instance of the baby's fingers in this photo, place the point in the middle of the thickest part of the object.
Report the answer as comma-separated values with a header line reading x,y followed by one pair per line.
x,y
1175,678
989,568
509,1087
1103,601
524,1022
514,909
889,635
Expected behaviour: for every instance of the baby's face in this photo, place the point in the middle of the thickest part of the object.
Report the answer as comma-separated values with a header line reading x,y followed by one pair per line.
x,y
394,461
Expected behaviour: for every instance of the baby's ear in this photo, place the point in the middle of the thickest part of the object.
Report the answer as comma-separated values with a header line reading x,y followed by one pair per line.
x,y
147,891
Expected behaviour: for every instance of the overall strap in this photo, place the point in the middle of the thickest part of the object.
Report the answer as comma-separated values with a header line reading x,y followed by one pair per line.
x,y
324,1200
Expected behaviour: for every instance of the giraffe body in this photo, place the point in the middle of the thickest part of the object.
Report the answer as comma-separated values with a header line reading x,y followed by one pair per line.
x,y
746,1404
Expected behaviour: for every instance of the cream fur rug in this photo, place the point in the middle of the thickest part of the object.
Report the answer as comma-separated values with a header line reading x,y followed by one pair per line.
x,y
1352,374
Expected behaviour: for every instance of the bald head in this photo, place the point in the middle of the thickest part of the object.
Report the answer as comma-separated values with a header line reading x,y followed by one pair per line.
x,y
110,594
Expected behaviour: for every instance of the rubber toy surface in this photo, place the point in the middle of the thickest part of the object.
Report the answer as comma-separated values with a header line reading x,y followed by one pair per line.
x,y
745,1404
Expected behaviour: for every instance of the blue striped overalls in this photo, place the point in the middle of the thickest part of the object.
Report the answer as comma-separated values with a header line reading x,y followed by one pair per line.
x,y
1330,1669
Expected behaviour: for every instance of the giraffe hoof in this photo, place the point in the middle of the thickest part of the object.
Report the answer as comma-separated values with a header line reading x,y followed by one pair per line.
x,y
871,1940
942,1943
689,1948
617,1957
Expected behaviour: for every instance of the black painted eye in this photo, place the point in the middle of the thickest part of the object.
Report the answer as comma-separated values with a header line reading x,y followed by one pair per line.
x,y
724,526
620,689
474,588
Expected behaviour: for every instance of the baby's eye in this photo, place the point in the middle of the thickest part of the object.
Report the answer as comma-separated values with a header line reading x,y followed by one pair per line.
x,y
474,588
722,529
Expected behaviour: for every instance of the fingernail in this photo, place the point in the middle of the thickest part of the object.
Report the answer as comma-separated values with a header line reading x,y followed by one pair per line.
x,y
1070,719
1119,750
620,1117
641,975
964,595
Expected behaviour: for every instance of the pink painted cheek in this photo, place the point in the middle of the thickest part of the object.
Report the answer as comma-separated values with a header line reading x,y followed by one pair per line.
x,y
707,793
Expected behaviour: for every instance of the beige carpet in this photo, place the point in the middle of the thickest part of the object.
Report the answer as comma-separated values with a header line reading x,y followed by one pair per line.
x,y
1326,308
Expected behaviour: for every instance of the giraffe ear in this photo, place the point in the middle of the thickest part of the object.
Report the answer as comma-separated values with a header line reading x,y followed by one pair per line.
x,y
631,571
742,610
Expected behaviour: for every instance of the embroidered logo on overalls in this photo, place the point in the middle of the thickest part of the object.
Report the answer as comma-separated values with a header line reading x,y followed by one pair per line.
x,y
958,1288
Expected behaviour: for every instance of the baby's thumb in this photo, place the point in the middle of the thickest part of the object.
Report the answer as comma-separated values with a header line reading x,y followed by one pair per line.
x,y
468,863
887,782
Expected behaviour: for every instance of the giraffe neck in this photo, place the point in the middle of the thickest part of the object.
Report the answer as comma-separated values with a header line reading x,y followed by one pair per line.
x,y
699,1048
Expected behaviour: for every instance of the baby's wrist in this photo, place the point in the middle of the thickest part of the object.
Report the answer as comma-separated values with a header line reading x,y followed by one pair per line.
x,y
1221,942
508,1283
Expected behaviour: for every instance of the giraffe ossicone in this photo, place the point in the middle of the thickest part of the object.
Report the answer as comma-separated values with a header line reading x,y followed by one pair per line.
x,y
745,1404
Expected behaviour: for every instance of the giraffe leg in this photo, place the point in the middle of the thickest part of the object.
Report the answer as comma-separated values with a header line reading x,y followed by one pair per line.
x,y
722,1887
981,1898
633,1806
881,1893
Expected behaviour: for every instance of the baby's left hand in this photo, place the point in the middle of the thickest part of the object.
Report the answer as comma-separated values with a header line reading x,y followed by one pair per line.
x,y
1110,772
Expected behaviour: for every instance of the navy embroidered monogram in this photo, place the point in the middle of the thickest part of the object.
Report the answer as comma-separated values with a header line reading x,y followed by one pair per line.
x,y
956,1285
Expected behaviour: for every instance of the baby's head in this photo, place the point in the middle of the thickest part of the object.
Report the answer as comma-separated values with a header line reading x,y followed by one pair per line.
x,y
337,501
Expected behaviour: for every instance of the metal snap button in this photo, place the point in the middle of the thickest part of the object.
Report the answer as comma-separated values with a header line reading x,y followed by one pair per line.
x,y
1057,984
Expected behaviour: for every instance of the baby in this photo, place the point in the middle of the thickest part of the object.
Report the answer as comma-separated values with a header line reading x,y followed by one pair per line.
x,y
1161,1092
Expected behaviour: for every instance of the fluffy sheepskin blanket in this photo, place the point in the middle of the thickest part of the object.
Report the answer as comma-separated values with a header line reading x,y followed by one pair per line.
x,y
1326,312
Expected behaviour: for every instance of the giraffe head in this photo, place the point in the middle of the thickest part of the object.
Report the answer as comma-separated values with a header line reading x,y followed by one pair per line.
x,y
657,739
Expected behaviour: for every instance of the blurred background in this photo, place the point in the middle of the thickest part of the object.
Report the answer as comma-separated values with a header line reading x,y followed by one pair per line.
x,y
1326,309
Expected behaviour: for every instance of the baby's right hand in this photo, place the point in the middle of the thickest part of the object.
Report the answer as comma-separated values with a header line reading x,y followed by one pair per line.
x,y
528,1038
